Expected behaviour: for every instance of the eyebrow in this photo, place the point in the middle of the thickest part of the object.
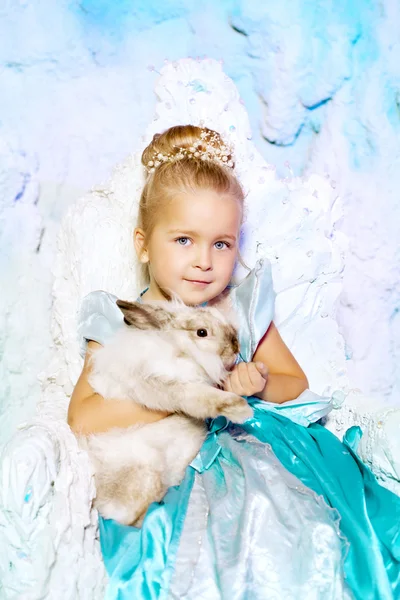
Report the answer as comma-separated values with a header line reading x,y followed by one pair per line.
x,y
194,233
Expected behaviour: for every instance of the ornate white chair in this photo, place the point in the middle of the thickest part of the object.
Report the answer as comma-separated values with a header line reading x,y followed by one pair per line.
x,y
49,546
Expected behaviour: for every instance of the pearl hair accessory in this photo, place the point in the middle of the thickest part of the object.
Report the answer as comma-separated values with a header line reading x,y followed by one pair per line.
x,y
208,147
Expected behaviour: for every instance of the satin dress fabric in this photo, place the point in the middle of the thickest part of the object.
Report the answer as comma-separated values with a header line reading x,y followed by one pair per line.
x,y
277,508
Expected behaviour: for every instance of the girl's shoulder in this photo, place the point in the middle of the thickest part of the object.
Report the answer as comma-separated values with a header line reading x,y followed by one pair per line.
x,y
98,319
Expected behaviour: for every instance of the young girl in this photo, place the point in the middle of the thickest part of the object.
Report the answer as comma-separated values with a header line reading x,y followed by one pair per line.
x,y
277,508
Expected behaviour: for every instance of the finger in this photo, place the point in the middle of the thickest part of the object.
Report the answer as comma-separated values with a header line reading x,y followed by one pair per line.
x,y
244,376
237,386
262,369
255,376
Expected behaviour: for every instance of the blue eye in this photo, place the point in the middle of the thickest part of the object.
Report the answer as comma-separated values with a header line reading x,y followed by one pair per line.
x,y
179,240
225,244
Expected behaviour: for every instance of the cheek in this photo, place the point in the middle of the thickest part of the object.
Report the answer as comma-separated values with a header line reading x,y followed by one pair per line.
x,y
165,258
225,268
207,344
172,254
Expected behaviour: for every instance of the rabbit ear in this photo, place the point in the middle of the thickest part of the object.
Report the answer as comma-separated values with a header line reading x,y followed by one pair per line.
x,y
144,316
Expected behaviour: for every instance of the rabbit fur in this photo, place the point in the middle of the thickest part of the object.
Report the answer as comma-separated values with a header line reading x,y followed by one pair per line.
x,y
171,357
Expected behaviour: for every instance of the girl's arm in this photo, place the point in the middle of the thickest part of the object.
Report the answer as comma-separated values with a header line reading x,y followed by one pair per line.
x,y
286,380
89,412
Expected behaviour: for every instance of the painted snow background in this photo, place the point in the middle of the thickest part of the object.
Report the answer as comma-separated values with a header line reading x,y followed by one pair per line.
x,y
320,81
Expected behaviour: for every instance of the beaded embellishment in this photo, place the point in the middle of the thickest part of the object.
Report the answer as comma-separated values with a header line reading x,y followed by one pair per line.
x,y
208,147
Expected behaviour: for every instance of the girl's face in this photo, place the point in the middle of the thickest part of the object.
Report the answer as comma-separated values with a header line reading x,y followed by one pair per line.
x,y
193,247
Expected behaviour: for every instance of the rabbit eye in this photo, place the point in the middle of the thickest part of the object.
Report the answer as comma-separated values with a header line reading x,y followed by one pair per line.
x,y
202,332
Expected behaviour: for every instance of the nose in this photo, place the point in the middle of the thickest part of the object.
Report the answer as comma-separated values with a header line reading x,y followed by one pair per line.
x,y
203,258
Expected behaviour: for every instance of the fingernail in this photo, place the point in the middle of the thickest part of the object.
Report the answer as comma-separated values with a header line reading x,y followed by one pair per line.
x,y
261,365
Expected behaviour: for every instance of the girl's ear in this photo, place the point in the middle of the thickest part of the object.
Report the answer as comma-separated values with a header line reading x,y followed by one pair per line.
x,y
144,316
139,242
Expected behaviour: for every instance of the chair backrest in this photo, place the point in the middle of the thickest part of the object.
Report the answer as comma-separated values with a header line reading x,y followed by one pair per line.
x,y
290,221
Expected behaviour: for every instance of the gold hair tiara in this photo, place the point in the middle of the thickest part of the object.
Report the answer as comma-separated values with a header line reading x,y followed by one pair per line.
x,y
222,154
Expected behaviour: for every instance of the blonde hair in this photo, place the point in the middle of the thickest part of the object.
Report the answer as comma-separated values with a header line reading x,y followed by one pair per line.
x,y
187,174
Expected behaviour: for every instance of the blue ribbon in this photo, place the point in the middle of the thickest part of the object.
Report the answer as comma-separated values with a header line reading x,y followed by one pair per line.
x,y
211,447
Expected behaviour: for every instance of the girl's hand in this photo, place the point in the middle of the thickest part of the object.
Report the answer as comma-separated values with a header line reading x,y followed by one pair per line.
x,y
247,379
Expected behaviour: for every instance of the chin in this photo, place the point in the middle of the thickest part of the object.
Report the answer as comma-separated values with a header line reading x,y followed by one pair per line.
x,y
190,299
193,301
197,296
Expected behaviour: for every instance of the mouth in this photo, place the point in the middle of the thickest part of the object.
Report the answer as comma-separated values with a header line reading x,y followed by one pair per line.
x,y
198,282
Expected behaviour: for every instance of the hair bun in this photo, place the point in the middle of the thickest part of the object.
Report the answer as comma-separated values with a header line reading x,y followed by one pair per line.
x,y
189,141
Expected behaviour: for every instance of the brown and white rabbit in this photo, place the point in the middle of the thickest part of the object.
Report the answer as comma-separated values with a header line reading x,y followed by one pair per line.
x,y
169,357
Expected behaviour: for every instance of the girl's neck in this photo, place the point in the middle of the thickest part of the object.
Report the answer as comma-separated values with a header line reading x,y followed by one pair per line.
x,y
148,295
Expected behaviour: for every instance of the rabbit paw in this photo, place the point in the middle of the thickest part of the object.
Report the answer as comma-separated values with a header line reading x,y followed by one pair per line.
x,y
234,407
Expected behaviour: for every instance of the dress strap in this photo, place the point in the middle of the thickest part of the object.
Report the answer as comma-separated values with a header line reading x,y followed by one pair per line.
x,y
141,294
254,302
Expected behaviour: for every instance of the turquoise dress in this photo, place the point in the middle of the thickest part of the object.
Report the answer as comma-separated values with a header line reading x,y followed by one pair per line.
x,y
275,509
